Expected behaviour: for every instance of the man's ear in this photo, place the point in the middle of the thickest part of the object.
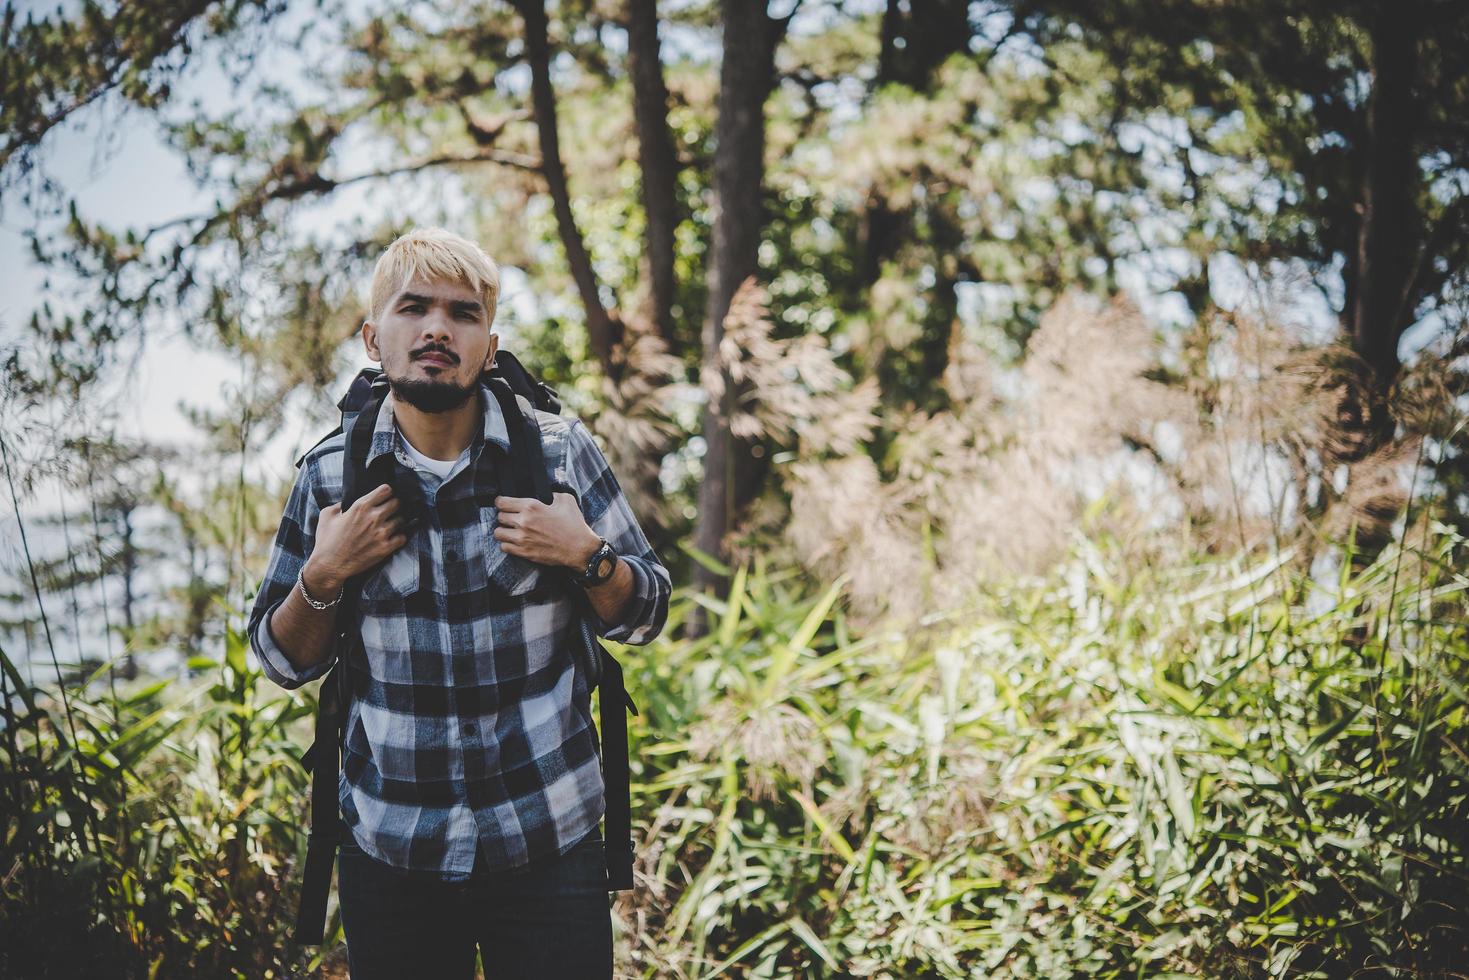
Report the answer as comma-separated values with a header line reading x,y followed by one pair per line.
x,y
490,357
369,341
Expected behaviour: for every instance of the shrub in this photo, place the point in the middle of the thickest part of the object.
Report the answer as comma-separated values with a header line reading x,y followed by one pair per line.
x,y
1109,771
1217,768
149,833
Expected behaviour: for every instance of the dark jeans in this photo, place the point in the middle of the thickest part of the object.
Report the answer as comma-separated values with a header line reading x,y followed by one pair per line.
x,y
549,919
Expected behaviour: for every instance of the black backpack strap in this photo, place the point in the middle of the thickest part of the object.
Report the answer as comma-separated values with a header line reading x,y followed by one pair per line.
x,y
527,476
509,370
527,469
325,761
359,428
616,779
324,758
527,463
358,394
368,384
302,458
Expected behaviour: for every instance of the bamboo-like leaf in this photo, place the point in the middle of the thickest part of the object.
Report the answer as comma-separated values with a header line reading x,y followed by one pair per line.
x,y
747,947
801,639
828,833
705,559
17,684
812,941
736,603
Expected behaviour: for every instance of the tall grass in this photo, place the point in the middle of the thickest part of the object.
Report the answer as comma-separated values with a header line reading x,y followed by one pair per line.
x,y
1110,770
158,841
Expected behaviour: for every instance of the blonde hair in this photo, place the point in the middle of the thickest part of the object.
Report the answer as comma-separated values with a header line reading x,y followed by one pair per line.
x,y
434,253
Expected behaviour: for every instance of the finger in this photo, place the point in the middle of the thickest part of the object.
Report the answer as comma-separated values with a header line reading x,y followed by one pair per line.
x,y
332,509
390,507
506,535
514,505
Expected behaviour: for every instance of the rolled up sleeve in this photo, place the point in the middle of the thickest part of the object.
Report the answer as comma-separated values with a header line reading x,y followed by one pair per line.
x,y
608,513
293,543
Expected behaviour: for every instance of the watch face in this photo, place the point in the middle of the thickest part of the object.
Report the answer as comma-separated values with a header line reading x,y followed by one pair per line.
x,y
606,566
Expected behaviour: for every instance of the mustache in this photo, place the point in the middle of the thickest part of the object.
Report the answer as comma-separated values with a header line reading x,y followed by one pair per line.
x,y
435,349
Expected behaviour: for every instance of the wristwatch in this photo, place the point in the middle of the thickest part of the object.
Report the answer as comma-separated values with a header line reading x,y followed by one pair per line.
x,y
599,567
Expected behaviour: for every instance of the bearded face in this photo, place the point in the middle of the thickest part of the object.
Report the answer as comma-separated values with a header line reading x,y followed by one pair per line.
x,y
433,341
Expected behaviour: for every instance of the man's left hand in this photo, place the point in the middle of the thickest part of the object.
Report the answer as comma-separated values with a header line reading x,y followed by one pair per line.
x,y
547,534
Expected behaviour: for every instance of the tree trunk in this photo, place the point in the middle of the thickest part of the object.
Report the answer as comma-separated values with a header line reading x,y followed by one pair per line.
x,y
915,41
1380,311
1380,308
603,332
656,160
745,81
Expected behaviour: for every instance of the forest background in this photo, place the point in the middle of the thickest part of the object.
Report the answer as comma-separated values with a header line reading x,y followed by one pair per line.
x,y
1052,414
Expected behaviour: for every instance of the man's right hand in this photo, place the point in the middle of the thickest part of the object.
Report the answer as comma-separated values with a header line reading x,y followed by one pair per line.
x,y
353,542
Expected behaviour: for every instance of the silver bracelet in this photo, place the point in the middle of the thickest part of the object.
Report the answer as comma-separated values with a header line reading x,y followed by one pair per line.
x,y
314,603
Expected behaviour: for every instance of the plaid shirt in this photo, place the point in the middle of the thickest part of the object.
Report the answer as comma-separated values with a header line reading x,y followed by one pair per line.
x,y
467,725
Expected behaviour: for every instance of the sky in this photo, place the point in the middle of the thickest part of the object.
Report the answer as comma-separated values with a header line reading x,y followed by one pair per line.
x,y
114,161
140,183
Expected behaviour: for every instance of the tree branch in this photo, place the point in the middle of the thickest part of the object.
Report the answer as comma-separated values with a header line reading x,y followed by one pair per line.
x,y
603,330
131,48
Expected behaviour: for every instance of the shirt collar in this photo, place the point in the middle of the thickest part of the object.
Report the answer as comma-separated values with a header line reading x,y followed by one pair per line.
x,y
495,430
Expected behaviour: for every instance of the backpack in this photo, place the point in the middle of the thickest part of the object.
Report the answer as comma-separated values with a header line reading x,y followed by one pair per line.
x,y
523,474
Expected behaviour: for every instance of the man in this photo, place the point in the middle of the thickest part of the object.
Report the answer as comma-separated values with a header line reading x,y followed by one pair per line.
x,y
471,784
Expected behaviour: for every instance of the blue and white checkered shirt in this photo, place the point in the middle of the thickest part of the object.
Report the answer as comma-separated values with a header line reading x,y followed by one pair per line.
x,y
468,726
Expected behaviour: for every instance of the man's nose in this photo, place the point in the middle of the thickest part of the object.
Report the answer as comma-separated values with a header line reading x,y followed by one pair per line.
x,y
436,327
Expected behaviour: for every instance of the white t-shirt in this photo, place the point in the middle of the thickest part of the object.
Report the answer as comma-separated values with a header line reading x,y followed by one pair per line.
x,y
439,467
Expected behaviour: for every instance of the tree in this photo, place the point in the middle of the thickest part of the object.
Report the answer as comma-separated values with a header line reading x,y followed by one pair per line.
x,y
657,162
1354,116
916,39
900,175
62,63
603,329
746,76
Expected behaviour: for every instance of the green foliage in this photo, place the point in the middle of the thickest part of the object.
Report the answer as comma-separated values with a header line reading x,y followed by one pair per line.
x,y
1114,772
926,186
1211,768
154,842
61,62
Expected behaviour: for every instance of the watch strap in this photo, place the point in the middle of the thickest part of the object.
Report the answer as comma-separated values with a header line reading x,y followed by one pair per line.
x,y
588,575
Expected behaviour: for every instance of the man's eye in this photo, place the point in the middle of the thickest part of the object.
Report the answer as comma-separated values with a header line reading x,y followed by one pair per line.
x,y
466,315
412,308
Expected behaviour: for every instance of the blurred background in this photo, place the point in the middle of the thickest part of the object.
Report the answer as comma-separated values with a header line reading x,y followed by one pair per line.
x,y
1052,413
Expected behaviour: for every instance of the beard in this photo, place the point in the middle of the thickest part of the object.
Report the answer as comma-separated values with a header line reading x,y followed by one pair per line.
x,y
432,396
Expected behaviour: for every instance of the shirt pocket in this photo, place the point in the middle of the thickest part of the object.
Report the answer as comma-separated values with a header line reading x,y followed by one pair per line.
x,y
396,578
508,575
